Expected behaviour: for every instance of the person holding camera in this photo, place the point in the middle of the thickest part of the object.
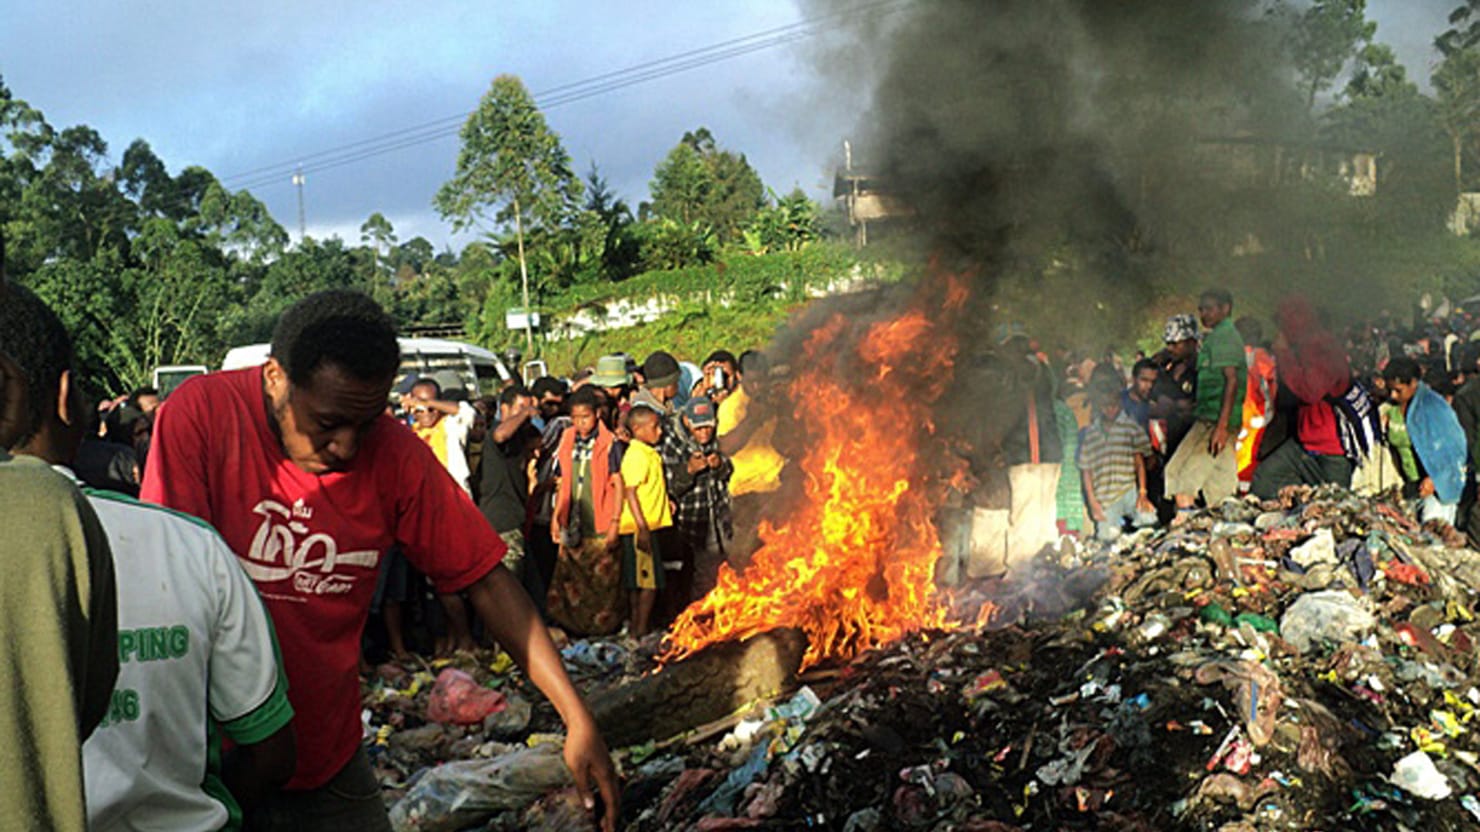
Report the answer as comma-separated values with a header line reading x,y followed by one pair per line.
x,y
719,377
699,486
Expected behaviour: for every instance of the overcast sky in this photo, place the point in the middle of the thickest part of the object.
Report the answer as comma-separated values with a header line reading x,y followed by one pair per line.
x,y
240,86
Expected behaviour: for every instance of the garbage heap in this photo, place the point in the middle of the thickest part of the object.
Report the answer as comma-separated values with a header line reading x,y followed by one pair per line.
x,y
1309,663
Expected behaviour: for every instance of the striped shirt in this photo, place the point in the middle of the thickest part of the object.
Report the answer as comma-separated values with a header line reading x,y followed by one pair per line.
x,y
1108,452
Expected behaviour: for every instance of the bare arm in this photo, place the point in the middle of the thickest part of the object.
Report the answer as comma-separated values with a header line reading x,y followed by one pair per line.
x,y
732,442
505,429
252,772
1220,435
1091,502
643,534
515,624
445,408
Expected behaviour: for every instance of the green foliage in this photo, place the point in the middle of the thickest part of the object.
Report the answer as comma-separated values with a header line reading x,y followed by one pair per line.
x,y
1457,90
667,243
511,163
1383,112
1326,36
690,332
793,222
620,247
749,294
699,185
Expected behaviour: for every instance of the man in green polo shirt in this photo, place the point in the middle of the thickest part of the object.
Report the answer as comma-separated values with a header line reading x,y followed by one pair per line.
x,y
1205,462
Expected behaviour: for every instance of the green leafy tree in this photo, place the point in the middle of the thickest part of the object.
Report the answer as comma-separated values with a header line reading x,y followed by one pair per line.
x,y
1464,28
1457,89
309,267
239,224
1325,37
417,253
513,165
667,243
381,237
1383,112
698,182
620,249
790,224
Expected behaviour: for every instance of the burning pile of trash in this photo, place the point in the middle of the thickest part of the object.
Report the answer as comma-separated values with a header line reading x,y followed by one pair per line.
x,y
1306,664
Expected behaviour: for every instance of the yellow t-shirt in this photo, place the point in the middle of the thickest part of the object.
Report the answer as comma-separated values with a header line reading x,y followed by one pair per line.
x,y
436,437
757,465
642,471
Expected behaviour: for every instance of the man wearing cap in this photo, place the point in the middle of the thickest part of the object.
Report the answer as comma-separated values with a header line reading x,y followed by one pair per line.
x,y
615,381
1206,463
660,375
1172,394
699,485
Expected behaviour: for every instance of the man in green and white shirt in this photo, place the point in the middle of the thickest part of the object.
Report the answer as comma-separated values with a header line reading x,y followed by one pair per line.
x,y
197,661
196,651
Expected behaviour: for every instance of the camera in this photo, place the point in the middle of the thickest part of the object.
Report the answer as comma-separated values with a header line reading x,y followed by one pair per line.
x,y
717,378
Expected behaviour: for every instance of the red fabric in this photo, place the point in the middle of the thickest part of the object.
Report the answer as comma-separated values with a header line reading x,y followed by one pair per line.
x,y
603,497
1313,366
313,543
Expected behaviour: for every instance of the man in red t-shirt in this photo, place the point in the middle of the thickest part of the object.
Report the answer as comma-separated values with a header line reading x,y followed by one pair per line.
x,y
298,466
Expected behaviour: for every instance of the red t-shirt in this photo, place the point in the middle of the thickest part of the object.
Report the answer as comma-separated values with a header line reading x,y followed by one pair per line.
x,y
313,542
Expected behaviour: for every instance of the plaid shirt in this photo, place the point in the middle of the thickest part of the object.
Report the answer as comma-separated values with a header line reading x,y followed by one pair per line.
x,y
702,500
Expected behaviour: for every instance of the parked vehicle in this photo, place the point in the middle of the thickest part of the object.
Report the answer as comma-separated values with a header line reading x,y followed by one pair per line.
x,y
481,371
167,377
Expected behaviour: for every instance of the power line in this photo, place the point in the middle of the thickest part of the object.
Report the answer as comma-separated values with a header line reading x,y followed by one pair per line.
x,y
557,96
429,133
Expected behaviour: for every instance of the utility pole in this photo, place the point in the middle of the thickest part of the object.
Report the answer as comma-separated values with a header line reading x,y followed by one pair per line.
x,y
298,180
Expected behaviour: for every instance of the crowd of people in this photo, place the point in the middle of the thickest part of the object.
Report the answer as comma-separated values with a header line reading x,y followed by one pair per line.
x,y
278,505
1090,448
189,659
615,490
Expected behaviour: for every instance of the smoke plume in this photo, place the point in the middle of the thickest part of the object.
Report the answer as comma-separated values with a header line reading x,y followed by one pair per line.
x,y
1067,150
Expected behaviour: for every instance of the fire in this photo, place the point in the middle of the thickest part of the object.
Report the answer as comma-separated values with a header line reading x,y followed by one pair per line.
x,y
853,565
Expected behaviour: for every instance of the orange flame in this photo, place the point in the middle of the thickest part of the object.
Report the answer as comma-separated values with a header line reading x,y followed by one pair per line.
x,y
853,565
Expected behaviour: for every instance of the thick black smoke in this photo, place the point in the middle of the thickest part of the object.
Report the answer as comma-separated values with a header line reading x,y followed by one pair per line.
x,y
1068,150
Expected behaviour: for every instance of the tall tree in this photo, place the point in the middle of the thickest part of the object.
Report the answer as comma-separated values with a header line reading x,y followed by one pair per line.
x,y
1464,28
513,164
698,182
1457,88
1383,112
1326,36
619,248
376,231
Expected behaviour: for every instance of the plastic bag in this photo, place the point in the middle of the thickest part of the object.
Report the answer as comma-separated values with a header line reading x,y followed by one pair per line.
x,y
459,699
1417,775
1333,615
460,794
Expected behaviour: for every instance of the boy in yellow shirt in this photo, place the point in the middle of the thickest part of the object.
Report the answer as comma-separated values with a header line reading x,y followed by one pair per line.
x,y
645,510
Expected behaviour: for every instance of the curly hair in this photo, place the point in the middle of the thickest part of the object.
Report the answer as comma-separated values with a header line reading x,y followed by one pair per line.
x,y
340,327
34,338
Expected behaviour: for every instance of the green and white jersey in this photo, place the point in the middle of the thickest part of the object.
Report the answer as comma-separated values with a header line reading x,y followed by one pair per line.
x,y
197,660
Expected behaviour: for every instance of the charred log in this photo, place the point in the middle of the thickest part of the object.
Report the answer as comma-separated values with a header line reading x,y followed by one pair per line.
x,y
700,689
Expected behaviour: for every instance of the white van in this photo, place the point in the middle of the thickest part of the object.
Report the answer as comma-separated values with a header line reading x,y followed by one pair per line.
x,y
482,372
169,376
